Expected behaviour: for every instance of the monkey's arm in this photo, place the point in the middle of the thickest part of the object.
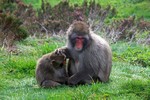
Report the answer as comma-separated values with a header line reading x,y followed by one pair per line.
x,y
79,76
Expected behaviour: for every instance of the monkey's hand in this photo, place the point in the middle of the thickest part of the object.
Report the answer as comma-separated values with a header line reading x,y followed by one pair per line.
x,y
80,76
63,51
60,51
72,81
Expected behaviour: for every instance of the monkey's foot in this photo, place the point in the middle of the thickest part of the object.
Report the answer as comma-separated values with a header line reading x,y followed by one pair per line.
x,y
50,84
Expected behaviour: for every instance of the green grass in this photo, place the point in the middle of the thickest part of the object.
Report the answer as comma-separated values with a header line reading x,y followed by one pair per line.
x,y
126,8
132,53
17,78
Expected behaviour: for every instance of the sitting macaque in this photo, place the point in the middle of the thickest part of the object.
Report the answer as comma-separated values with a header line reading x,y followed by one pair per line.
x,y
51,70
90,56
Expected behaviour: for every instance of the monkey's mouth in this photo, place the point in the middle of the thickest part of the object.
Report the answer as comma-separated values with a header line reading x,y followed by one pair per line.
x,y
78,47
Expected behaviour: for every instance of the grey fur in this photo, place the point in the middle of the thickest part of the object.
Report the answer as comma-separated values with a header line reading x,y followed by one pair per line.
x,y
94,61
49,75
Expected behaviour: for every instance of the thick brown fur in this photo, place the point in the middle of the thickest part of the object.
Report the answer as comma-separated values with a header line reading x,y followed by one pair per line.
x,y
51,70
93,62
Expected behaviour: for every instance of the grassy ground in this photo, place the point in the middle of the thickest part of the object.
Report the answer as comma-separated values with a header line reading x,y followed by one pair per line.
x,y
17,78
125,8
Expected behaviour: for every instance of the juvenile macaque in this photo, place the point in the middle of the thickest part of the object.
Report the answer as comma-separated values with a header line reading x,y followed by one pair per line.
x,y
90,56
51,70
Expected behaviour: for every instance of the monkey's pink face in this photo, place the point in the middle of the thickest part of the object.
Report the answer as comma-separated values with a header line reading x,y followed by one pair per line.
x,y
79,42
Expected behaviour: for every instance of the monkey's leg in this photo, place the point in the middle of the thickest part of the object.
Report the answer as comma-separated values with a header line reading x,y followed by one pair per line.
x,y
103,76
62,80
86,74
49,84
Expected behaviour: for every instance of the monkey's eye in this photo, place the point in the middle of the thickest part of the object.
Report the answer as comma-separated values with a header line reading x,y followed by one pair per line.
x,y
55,63
79,37
73,35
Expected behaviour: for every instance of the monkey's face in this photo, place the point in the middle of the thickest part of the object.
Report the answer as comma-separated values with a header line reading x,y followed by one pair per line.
x,y
79,35
58,61
79,42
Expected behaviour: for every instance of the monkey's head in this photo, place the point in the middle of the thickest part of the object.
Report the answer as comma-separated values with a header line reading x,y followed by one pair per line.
x,y
57,61
79,35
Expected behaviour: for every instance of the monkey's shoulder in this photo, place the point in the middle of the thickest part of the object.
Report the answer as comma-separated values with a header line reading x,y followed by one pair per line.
x,y
99,41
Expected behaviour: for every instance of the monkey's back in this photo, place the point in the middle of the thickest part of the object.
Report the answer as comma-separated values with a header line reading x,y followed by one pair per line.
x,y
43,70
49,73
99,56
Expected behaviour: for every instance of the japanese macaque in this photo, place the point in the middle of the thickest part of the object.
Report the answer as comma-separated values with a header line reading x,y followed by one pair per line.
x,y
90,56
51,70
